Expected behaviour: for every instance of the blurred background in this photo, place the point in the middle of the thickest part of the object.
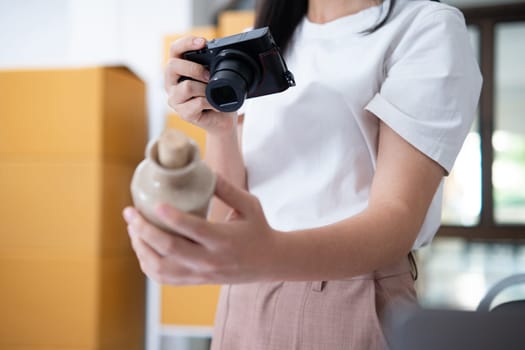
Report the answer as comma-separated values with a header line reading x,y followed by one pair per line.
x,y
81,92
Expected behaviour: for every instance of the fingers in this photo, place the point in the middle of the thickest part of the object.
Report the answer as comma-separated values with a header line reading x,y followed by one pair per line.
x,y
187,43
187,225
161,253
185,92
158,268
238,199
188,100
187,97
178,67
150,261
194,111
163,242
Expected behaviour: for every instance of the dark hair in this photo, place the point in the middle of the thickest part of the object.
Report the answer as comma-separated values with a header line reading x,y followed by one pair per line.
x,y
283,16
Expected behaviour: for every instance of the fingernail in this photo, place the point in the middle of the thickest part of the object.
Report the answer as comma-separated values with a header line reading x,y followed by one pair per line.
x,y
129,214
206,75
198,41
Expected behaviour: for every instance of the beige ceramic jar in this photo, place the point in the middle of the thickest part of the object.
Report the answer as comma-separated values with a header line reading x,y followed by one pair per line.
x,y
172,173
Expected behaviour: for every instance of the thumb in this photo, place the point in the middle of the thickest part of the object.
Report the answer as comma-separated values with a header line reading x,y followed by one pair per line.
x,y
235,197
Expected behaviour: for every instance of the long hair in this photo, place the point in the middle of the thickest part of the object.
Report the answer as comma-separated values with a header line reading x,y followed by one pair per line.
x,y
283,16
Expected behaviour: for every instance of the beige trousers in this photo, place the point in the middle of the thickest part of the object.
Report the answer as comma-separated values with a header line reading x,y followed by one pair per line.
x,y
332,315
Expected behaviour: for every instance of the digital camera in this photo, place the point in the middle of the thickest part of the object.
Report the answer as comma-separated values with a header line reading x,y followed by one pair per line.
x,y
241,66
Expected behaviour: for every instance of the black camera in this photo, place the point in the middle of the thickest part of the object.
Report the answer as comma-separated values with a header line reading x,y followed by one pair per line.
x,y
242,66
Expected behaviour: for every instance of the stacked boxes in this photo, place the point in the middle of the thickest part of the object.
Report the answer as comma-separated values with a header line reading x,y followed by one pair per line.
x,y
69,143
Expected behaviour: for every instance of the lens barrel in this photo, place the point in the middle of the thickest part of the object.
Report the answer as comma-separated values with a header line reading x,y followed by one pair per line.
x,y
233,74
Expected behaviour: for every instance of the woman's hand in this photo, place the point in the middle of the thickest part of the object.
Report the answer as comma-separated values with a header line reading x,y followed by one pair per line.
x,y
188,97
240,250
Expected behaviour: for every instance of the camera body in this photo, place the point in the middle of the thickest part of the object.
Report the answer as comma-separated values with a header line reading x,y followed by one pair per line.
x,y
242,66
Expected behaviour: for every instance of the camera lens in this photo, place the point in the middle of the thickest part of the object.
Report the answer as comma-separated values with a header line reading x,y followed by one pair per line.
x,y
232,76
224,95
226,90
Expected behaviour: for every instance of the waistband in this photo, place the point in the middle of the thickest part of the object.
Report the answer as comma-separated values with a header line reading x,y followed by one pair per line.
x,y
406,265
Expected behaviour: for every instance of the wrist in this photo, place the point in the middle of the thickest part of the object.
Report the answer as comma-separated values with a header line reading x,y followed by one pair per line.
x,y
222,125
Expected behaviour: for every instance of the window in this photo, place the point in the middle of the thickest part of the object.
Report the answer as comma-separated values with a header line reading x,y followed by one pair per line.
x,y
462,190
485,193
508,140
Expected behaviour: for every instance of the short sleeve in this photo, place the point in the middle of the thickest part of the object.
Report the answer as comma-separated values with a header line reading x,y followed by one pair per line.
x,y
431,87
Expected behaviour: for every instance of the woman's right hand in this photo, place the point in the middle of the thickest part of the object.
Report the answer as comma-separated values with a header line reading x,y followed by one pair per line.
x,y
188,97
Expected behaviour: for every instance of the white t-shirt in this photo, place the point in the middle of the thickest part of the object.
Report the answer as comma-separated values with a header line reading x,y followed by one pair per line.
x,y
310,152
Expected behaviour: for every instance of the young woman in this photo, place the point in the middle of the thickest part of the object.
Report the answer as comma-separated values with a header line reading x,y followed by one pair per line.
x,y
333,182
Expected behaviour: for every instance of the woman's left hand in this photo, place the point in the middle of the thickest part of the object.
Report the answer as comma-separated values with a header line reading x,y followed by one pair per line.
x,y
201,252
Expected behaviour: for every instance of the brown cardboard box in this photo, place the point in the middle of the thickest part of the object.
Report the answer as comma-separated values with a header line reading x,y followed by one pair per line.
x,y
233,22
70,140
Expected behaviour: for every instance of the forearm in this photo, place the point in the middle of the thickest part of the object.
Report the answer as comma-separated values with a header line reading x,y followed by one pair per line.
x,y
404,184
361,244
224,157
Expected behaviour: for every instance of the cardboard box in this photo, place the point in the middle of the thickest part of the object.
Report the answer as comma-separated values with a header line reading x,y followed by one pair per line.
x,y
72,114
71,303
70,140
234,22
189,305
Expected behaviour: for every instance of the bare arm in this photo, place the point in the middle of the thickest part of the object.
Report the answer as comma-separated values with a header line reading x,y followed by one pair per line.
x,y
403,187
246,248
223,155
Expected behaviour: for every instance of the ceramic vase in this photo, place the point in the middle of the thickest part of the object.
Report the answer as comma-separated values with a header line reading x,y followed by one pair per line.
x,y
188,188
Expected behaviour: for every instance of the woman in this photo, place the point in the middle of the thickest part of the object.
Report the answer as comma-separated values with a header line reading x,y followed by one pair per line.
x,y
333,182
